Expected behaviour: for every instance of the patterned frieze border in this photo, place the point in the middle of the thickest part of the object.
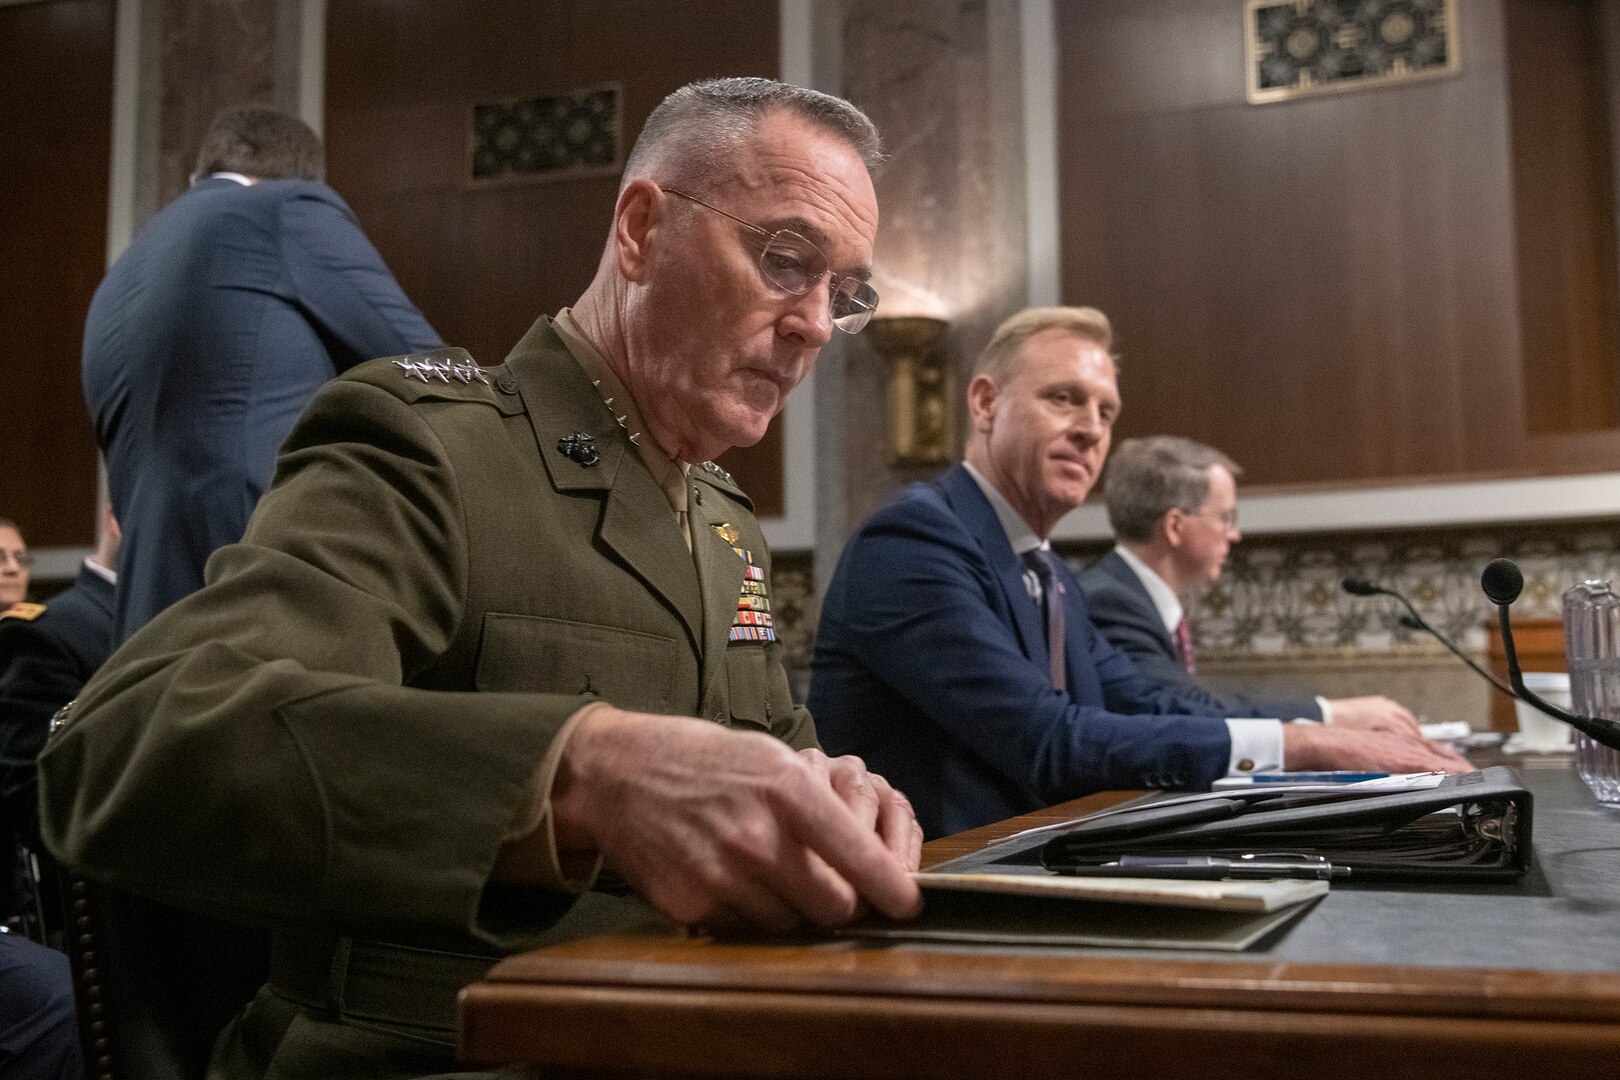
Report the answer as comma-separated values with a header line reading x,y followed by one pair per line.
x,y
1281,596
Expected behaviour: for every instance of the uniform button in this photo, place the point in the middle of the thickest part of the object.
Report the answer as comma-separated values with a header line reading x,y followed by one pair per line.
x,y
506,384
1246,765
720,718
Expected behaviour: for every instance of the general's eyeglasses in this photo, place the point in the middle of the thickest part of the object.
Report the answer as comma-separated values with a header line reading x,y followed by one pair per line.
x,y
795,265
24,559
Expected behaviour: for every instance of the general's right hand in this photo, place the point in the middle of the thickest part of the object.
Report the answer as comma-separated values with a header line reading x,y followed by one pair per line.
x,y
713,826
1331,746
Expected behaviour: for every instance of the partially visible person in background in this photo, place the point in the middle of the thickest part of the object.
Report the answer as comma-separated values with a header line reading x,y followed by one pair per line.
x,y
39,1034
210,335
15,562
47,653
1173,505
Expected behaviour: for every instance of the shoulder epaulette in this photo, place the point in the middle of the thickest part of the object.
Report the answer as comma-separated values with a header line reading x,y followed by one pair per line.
x,y
442,365
23,610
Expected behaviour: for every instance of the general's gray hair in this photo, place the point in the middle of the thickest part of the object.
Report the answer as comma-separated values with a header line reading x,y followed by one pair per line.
x,y
695,131
1147,478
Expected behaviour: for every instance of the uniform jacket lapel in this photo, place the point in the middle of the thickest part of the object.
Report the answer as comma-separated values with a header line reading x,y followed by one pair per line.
x,y
720,575
636,522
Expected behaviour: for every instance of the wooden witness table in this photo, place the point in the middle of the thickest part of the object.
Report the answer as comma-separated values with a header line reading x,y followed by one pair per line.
x,y
663,1005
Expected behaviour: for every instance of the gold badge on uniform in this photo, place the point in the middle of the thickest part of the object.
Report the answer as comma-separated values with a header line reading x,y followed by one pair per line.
x,y
753,621
23,610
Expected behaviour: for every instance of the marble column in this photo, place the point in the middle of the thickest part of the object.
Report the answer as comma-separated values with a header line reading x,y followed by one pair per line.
x,y
942,81
188,59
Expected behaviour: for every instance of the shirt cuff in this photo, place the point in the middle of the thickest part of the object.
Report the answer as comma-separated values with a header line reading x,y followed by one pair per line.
x,y
538,862
1257,746
1327,708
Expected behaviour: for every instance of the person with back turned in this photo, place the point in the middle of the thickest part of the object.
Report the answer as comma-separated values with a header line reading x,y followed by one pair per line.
x,y
494,635
956,654
211,333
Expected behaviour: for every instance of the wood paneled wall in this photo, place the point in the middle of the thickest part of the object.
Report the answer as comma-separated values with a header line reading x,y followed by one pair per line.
x,y
1385,284
483,262
55,127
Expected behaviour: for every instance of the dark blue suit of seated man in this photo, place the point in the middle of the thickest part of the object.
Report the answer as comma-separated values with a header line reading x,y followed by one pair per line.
x,y
955,652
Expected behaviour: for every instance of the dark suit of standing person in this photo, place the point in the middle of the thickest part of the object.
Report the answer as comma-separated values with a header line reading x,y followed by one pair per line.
x,y
495,632
210,335
1173,505
934,660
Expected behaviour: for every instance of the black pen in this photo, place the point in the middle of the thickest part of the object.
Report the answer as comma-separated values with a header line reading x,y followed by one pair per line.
x,y
1213,867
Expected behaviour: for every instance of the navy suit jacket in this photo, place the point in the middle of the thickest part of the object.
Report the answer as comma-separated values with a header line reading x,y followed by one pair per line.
x,y
204,343
1125,613
931,663
44,663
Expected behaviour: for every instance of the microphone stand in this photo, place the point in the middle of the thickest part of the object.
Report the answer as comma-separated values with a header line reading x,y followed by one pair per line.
x,y
1417,622
1502,582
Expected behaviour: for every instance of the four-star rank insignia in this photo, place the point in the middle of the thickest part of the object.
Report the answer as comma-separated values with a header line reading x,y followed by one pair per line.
x,y
753,621
579,448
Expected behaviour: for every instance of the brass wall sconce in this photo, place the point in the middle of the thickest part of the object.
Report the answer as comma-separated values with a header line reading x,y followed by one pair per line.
x,y
922,407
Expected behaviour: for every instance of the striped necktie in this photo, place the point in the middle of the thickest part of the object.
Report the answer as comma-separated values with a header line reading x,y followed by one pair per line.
x,y
1042,563
1184,646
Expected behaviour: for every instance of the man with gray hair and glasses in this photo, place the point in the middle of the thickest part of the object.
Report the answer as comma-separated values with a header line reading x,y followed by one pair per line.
x,y
1172,503
495,658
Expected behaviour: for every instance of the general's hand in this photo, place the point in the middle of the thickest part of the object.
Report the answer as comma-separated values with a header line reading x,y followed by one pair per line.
x,y
717,826
874,802
1374,713
1333,746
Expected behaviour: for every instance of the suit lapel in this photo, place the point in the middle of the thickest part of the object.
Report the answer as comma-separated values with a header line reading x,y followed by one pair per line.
x,y
963,493
1122,572
636,523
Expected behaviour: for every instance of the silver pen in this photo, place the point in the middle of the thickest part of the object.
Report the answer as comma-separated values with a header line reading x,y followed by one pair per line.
x,y
1215,867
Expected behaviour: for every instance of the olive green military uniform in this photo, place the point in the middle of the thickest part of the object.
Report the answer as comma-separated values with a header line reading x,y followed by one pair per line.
x,y
338,732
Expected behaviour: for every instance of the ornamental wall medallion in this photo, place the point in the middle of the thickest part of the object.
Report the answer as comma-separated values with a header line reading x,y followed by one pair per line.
x,y
550,137
1299,47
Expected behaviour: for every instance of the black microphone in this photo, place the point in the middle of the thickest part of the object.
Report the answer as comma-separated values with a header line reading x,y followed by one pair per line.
x,y
1358,587
1502,582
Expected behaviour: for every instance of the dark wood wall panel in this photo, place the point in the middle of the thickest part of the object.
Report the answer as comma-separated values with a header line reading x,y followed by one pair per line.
x,y
1328,288
1564,210
484,262
55,126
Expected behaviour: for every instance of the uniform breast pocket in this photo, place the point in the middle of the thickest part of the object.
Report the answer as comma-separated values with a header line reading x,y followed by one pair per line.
x,y
746,684
627,668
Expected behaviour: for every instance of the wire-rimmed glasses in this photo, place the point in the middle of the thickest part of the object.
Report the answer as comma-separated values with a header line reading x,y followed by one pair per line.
x,y
795,265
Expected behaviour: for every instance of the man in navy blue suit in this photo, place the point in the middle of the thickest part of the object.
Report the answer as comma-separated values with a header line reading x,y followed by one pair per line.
x,y
935,659
1173,505
210,335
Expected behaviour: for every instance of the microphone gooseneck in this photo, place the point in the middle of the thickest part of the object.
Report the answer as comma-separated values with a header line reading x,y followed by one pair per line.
x,y
1502,582
1360,587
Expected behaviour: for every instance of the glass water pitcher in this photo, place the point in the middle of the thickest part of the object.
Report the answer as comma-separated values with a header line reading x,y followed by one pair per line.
x,y
1592,646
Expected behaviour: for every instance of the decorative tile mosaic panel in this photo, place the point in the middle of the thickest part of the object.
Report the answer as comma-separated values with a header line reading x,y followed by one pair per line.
x,y
1282,597
1298,47
555,135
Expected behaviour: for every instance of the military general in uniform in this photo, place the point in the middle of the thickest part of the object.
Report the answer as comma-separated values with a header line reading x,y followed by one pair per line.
x,y
496,634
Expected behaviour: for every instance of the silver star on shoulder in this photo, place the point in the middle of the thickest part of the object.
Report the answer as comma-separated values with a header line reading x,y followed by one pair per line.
x,y
718,471
443,370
